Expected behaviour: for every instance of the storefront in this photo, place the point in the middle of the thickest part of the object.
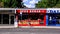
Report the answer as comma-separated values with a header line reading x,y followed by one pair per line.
x,y
7,17
53,17
31,17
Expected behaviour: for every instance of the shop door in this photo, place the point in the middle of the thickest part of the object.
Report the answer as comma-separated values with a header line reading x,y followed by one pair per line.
x,y
12,19
5,18
58,19
52,21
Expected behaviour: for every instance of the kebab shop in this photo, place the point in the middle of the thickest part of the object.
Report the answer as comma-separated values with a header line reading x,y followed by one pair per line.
x,y
31,17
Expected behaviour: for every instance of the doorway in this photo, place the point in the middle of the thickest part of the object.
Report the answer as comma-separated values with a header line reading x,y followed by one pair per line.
x,y
12,19
54,19
5,18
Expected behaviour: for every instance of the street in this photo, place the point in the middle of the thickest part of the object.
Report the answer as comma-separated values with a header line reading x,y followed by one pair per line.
x,y
29,31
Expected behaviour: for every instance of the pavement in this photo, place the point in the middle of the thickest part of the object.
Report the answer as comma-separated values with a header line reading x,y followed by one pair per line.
x,y
39,27
29,31
12,26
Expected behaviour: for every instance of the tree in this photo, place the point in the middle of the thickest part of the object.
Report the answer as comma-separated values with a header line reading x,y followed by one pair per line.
x,y
47,3
57,5
19,3
1,3
52,3
42,4
12,3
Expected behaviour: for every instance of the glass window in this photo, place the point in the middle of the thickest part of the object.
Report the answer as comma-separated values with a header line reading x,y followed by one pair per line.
x,y
32,17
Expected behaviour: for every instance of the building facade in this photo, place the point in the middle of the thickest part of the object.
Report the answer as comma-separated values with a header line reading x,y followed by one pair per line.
x,y
30,17
7,17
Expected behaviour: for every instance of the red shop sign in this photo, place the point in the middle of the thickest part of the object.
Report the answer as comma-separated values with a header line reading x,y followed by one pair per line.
x,y
31,11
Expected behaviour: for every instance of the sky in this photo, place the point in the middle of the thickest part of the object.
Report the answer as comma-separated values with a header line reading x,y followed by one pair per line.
x,y
30,3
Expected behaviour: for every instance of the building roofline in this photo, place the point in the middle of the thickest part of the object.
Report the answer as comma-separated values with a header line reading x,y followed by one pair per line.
x,y
19,8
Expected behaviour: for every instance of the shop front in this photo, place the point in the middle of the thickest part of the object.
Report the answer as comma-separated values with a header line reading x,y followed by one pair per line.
x,y
7,17
31,17
53,17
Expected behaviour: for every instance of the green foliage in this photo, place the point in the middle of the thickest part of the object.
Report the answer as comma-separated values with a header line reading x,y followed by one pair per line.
x,y
47,3
57,5
42,4
10,4
52,3
1,3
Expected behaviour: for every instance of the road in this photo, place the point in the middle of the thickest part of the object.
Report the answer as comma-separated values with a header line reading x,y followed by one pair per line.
x,y
29,31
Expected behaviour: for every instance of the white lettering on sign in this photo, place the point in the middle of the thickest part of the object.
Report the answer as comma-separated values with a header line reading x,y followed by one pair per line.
x,y
23,10
35,11
32,11
53,11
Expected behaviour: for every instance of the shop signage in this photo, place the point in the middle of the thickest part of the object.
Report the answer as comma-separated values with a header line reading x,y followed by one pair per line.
x,y
32,11
53,11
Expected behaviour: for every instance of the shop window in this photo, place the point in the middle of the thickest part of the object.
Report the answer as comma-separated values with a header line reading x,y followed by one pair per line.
x,y
39,18
54,19
58,18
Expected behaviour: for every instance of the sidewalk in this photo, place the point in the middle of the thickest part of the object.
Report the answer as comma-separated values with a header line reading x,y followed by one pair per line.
x,y
30,27
7,27
39,26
